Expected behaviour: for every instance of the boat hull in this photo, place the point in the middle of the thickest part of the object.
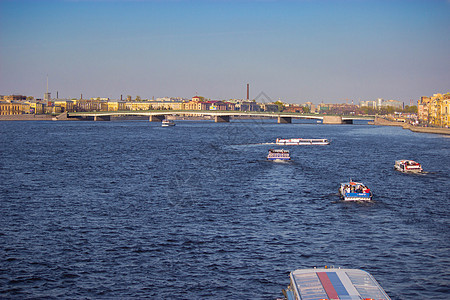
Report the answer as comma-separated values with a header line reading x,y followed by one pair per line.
x,y
356,196
408,170
278,159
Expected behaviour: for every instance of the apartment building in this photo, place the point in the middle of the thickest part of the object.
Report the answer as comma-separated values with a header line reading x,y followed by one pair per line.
x,y
66,105
434,110
11,108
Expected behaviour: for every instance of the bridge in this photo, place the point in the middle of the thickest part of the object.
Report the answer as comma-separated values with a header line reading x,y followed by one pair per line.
x,y
219,116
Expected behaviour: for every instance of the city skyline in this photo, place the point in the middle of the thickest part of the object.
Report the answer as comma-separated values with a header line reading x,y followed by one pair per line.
x,y
296,51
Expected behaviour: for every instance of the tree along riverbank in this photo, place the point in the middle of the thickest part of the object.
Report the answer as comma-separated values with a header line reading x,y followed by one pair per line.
x,y
435,130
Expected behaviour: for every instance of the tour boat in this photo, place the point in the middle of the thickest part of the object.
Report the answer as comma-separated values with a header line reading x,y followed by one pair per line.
x,y
300,141
278,155
167,123
408,166
333,283
355,191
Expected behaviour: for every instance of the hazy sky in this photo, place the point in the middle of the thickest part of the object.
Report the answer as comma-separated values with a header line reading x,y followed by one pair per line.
x,y
296,51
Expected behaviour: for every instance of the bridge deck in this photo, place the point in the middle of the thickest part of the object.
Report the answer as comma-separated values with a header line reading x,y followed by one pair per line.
x,y
213,114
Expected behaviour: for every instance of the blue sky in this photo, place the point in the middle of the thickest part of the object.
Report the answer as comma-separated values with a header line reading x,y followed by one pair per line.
x,y
296,51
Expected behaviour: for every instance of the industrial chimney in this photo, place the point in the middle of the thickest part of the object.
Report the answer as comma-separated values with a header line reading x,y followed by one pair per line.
x,y
248,91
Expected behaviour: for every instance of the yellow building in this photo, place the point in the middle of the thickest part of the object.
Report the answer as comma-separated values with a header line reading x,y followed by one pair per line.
x,y
138,106
435,110
176,105
422,109
36,107
167,105
115,105
26,108
66,105
192,105
445,111
88,105
55,109
11,108
196,105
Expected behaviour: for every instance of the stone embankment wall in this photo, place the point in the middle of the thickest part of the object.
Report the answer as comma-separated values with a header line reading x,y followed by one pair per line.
x,y
435,130
26,117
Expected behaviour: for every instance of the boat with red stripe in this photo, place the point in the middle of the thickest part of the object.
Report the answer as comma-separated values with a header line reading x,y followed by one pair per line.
x,y
408,166
355,191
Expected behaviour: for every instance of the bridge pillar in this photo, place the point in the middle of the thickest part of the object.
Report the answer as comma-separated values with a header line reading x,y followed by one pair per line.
x,y
284,120
332,120
156,118
222,119
102,118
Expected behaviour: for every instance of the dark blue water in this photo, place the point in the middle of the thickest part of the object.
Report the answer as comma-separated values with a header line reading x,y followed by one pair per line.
x,y
134,210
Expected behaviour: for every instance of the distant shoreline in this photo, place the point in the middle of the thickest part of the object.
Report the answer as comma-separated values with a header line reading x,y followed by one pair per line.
x,y
433,130
62,117
378,121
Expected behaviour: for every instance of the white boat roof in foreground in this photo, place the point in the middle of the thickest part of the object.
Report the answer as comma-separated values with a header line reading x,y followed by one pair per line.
x,y
333,283
404,161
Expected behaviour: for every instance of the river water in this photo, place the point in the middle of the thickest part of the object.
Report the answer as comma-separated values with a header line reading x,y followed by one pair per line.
x,y
134,210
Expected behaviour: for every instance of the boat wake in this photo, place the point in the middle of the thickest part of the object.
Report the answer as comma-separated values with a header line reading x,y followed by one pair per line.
x,y
423,173
250,145
279,161
256,144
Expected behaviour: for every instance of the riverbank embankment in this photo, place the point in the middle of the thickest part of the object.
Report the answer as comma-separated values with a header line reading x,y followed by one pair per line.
x,y
26,117
434,130
63,116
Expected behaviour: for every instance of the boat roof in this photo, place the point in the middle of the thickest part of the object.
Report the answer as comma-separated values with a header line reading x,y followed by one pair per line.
x,y
405,160
352,183
324,283
279,150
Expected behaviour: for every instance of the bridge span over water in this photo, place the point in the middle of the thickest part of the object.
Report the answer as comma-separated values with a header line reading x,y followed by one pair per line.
x,y
219,116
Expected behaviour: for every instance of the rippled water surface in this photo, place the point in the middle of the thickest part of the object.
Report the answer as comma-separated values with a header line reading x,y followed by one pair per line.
x,y
134,210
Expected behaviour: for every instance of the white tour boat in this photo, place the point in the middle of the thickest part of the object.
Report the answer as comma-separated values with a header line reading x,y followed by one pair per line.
x,y
278,155
300,141
333,283
405,165
355,191
167,123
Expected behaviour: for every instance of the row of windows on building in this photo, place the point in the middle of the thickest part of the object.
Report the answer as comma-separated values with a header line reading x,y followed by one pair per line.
x,y
434,110
59,106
